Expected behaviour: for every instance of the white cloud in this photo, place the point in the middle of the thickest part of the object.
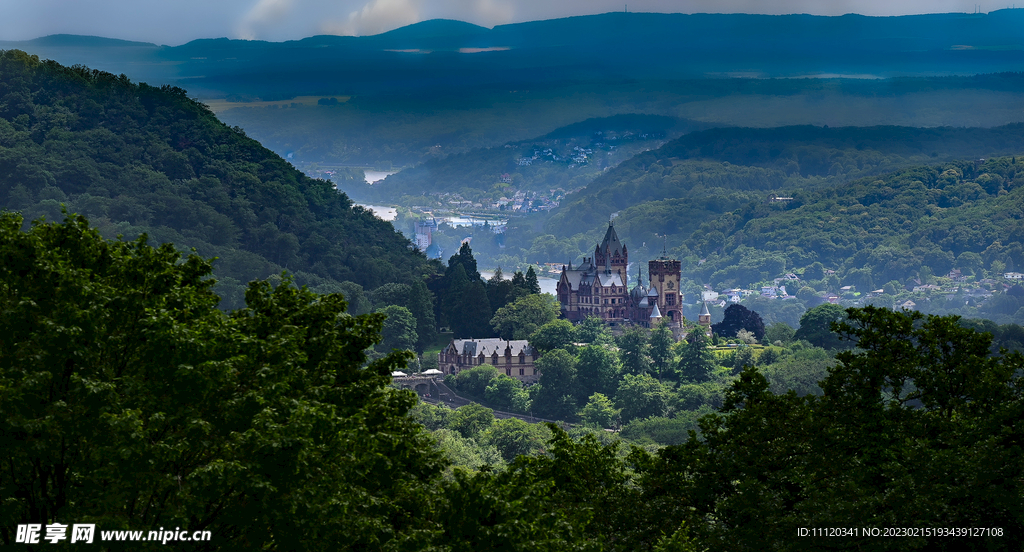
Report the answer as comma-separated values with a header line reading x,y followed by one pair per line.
x,y
376,16
265,14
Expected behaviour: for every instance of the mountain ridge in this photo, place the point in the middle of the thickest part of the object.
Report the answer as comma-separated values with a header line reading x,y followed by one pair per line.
x,y
452,54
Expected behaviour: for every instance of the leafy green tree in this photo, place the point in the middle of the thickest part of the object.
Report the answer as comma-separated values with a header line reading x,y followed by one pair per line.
x,y
661,341
815,326
558,381
816,271
739,359
466,452
507,393
800,371
779,332
471,419
597,371
569,499
635,350
519,281
124,384
599,412
640,396
514,437
399,331
391,293
474,381
591,330
358,302
696,361
557,334
432,416
928,384
524,316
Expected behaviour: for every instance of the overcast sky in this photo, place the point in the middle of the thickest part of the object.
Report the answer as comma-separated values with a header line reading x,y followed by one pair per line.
x,y
174,22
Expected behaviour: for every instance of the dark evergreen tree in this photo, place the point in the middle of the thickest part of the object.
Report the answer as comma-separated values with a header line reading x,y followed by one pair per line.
x,y
421,304
738,317
454,285
471,317
465,258
696,361
499,290
532,285
519,280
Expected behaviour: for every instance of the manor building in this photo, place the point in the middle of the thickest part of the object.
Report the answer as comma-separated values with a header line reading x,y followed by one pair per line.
x,y
513,357
599,287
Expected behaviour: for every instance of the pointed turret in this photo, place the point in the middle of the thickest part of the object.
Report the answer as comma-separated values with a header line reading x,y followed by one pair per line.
x,y
655,314
704,318
611,245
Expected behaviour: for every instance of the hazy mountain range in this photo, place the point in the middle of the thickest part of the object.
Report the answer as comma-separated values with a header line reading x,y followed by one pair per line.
x,y
445,54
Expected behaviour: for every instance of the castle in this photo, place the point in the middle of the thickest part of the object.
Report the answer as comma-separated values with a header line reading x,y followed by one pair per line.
x,y
600,287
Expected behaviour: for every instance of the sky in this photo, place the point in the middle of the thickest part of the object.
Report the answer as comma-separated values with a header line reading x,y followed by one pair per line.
x,y
174,22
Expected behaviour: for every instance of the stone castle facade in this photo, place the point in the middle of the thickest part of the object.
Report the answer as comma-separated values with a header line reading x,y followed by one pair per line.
x,y
600,287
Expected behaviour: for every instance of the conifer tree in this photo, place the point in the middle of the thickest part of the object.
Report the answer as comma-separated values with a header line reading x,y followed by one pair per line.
x,y
532,285
695,360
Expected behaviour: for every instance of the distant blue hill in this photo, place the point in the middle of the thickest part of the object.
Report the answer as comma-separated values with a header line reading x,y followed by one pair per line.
x,y
445,54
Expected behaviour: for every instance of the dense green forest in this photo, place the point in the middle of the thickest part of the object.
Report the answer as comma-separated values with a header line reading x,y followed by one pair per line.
x,y
717,170
132,402
138,159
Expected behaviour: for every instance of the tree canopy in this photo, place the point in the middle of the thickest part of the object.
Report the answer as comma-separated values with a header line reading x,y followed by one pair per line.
x,y
122,385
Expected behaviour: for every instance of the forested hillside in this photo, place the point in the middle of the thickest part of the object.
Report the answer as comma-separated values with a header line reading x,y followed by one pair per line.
x,y
137,159
960,215
717,170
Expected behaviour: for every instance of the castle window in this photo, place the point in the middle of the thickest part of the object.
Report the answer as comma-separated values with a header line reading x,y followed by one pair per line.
x,y
521,371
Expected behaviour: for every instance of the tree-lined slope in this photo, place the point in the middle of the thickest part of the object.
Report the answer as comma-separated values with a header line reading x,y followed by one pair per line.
x,y
136,159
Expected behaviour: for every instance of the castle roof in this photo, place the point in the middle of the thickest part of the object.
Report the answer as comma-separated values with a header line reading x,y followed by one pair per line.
x,y
639,292
704,310
610,279
655,313
611,244
490,346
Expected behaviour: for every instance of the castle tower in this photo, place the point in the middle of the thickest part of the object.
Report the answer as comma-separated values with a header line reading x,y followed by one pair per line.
x,y
611,253
704,318
665,277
